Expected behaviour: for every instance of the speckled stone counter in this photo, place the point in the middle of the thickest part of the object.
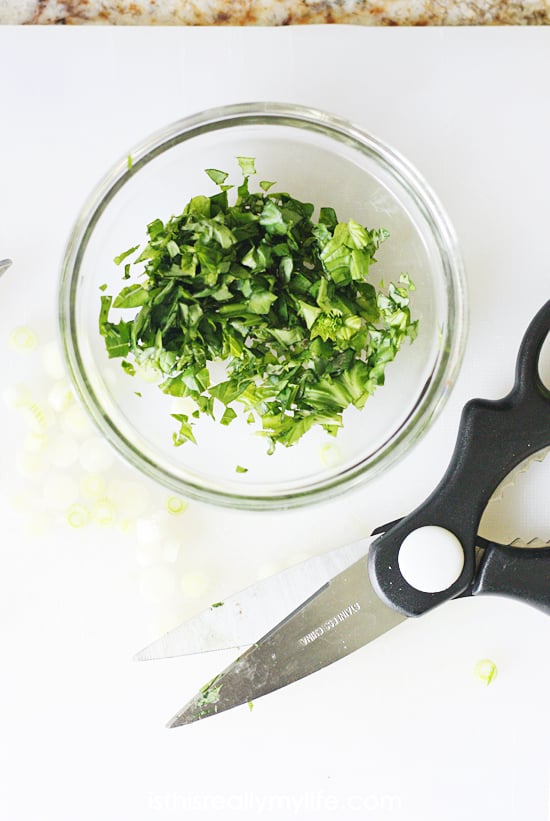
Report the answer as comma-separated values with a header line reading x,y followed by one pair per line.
x,y
276,12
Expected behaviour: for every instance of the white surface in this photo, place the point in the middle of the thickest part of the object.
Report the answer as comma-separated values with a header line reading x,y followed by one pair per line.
x,y
399,730
431,558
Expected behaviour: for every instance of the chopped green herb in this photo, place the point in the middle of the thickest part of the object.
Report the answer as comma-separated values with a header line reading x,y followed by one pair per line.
x,y
240,469
247,164
209,695
137,393
129,161
250,705
118,259
265,185
216,176
103,287
282,300
228,415
217,604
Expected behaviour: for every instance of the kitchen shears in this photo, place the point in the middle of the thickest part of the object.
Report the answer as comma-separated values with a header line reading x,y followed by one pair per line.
x,y
414,564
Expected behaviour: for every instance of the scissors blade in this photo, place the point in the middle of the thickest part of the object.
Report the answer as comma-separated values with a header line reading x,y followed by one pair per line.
x,y
250,613
4,265
341,617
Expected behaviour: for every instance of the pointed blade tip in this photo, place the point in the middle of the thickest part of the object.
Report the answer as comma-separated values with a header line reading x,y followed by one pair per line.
x,y
145,655
185,716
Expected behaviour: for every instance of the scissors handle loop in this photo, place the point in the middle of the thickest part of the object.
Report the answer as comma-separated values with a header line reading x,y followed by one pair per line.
x,y
493,438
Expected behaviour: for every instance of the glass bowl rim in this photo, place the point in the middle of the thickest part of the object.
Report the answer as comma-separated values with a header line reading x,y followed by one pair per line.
x,y
452,343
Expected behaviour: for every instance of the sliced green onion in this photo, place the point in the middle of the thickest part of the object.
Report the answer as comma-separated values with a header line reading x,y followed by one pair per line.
x,y
93,485
176,505
104,513
330,455
60,396
485,670
77,516
36,416
23,339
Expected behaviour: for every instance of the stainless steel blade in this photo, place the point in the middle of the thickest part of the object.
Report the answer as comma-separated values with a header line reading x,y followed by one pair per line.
x,y
246,615
4,265
342,616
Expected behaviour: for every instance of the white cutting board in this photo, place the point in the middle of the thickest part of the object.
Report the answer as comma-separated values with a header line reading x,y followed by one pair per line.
x,y
402,729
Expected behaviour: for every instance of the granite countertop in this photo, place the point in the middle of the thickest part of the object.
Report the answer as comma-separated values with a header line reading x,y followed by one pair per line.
x,y
276,12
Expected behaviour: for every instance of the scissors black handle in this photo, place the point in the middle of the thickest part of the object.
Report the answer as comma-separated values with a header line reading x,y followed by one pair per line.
x,y
520,573
493,438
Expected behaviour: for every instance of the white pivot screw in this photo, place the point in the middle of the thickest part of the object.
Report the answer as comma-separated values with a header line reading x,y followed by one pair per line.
x,y
431,558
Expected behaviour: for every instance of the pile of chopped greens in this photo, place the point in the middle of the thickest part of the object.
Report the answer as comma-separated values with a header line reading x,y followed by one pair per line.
x,y
281,300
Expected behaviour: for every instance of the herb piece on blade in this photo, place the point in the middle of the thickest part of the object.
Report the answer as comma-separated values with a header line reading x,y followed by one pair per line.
x,y
284,302
209,695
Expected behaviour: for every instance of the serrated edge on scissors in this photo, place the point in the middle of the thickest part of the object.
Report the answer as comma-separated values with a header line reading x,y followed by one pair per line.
x,y
534,542
508,482
511,477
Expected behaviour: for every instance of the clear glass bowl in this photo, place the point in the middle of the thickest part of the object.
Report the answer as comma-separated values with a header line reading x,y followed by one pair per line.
x,y
318,158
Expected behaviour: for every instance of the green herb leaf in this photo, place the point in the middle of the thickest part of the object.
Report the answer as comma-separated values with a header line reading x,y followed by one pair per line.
x,y
117,260
247,164
216,176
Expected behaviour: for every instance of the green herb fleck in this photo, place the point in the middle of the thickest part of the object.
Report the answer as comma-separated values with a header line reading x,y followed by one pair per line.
x,y
209,695
129,161
240,469
250,705
217,604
